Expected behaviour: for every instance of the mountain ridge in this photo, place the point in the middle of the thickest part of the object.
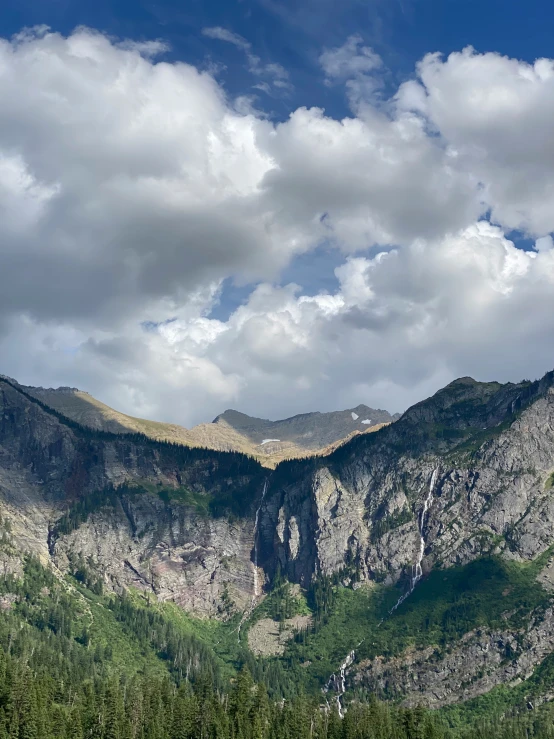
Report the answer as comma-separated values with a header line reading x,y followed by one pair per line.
x,y
463,478
229,431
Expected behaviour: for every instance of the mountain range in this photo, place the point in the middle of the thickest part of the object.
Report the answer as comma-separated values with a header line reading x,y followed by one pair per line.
x,y
268,441
414,563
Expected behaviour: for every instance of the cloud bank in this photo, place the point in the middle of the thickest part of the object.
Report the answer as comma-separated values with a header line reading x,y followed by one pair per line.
x,y
131,188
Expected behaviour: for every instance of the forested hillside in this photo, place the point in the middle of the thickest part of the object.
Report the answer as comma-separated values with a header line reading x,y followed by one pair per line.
x,y
137,674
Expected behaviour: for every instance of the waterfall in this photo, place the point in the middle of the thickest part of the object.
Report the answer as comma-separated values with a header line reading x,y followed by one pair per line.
x,y
255,594
256,521
339,681
417,572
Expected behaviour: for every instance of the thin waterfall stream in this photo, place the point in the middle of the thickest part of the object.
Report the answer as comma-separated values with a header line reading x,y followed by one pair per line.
x,y
256,523
417,572
339,682
255,594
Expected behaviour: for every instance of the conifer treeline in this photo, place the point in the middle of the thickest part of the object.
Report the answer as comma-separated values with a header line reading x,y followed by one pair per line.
x,y
55,683
40,707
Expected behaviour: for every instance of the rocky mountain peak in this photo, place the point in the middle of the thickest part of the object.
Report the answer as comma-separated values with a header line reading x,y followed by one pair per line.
x,y
269,441
306,431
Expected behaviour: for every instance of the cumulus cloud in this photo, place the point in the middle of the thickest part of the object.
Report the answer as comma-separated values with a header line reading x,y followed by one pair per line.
x,y
401,324
495,114
130,188
128,181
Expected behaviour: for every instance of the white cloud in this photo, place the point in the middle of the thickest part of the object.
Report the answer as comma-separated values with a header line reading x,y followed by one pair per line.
x,y
129,189
136,181
223,34
350,59
149,49
276,73
355,65
401,325
495,114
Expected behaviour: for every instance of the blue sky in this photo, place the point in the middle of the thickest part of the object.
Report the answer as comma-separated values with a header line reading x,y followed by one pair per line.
x,y
293,32
174,211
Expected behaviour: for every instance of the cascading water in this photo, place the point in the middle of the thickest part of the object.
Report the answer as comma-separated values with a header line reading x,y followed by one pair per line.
x,y
339,682
255,594
256,521
417,571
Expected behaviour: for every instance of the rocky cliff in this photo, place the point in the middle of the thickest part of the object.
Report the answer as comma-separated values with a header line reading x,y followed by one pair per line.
x,y
466,473
482,453
177,521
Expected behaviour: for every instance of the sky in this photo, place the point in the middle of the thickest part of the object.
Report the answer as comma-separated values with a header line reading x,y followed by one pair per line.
x,y
275,206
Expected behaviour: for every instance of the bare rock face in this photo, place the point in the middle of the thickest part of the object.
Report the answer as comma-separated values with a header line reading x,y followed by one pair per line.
x,y
463,474
168,550
307,431
267,638
139,538
363,504
481,660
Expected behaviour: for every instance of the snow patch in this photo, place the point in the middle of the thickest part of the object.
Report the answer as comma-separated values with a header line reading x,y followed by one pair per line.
x,y
267,441
355,416
367,421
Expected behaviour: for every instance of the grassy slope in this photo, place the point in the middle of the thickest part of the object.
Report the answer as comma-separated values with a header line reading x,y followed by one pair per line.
x,y
90,412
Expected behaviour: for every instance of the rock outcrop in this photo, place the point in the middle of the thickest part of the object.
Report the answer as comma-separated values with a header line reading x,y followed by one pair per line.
x,y
492,451
480,660
160,534
466,473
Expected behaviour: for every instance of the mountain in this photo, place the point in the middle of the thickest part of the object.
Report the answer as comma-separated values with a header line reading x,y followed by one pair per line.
x,y
304,434
414,563
268,441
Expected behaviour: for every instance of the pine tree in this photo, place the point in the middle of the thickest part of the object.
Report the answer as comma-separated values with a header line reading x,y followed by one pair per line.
x,y
112,713
75,725
260,713
241,704
184,722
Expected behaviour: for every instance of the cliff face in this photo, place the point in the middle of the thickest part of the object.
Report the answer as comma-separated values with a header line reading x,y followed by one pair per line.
x,y
479,460
481,660
160,534
463,474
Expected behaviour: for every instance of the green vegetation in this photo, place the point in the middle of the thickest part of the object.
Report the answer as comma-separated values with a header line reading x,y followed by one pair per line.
x,y
487,593
385,523
283,601
198,501
75,664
